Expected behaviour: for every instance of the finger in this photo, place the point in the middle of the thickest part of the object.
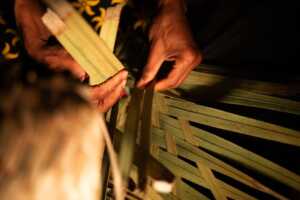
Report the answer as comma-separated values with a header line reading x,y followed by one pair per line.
x,y
155,60
176,75
60,60
99,92
106,103
183,66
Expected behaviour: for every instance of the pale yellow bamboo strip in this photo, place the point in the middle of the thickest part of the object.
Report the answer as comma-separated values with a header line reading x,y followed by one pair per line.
x,y
110,25
170,144
58,28
88,51
80,28
99,43
93,53
211,181
105,60
68,37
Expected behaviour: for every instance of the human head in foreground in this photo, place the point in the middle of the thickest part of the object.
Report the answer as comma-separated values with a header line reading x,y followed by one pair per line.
x,y
50,141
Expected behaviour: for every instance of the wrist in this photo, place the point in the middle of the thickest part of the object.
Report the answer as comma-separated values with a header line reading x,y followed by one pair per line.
x,y
178,5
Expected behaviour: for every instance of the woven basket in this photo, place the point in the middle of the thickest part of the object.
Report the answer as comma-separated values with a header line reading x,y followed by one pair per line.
x,y
224,144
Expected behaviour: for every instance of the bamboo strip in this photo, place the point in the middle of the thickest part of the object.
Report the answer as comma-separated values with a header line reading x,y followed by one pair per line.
x,y
117,177
130,134
171,148
170,144
211,180
267,88
195,154
184,170
250,99
110,25
189,193
145,139
92,52
155,112
230,150
56,25
85,40
187,132
231,122
98,42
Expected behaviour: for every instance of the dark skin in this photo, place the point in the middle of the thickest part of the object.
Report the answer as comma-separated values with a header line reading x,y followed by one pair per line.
x,y
169,42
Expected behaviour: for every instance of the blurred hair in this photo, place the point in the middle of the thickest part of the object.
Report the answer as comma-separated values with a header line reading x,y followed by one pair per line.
x,y
50,140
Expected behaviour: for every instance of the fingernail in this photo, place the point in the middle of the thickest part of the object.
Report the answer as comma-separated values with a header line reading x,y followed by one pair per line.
x,y
83,77
123,84
125,74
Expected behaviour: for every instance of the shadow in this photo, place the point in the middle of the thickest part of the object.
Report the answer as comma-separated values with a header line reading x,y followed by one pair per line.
x,y
207,94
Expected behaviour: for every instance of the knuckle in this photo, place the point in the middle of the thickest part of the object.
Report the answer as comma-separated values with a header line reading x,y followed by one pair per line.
x,y
193,56
173,83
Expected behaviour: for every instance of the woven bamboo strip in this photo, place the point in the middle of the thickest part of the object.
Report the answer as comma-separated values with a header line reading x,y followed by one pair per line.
x,y
197,155
189,193
211,180
171,148
187,132
170,144
250,99
207,79
228,149
231,122
184,170
247,98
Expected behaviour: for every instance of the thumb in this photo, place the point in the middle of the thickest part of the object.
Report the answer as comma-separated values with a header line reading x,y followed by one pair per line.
x,y
155,59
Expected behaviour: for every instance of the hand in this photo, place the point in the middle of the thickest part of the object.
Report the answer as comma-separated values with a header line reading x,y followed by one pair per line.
x,y
28,15
171,40
104,96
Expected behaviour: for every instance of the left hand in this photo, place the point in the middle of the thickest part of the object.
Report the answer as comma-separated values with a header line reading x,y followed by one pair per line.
x,y
171,40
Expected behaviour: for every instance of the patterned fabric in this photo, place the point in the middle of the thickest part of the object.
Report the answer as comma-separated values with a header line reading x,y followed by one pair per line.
x,y
9,41
92,10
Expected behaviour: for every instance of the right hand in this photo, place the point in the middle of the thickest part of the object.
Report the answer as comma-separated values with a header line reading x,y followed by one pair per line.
x,y
28,15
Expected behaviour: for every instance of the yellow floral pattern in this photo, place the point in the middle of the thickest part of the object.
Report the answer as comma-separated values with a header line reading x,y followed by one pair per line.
x,y
86,6
99,19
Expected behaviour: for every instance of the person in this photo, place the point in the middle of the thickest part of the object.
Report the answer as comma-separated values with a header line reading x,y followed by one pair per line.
x,y
44,151
170,40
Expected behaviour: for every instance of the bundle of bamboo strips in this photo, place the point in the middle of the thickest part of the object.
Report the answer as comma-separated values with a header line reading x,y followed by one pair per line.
x,y
80,40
